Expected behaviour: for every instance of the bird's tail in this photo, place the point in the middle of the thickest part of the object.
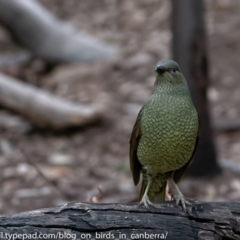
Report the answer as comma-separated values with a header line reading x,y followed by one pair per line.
x,y
143,188
159,197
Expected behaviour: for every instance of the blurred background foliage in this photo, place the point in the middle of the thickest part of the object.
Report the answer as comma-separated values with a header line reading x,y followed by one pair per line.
x,y
42,167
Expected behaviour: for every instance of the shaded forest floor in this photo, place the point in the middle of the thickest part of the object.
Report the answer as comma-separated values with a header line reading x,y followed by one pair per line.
x,y
91,164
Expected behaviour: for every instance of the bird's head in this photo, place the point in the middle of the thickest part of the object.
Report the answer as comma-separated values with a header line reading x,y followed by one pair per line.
x,y
168,72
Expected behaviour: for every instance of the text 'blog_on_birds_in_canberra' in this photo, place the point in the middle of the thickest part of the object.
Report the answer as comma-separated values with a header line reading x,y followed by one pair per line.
x,y
164,137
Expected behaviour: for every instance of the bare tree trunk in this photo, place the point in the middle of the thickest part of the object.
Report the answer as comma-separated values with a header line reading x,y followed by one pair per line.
x,y
190,51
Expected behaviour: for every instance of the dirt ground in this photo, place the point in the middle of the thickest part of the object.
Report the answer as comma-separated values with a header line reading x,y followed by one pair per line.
x,y
91,164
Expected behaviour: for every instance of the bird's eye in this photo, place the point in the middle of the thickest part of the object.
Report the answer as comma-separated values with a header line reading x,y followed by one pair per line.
x,y
173,70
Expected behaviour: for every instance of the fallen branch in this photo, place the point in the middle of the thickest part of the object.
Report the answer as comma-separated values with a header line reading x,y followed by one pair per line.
x,y
38,30
11,59
226,125
127,221
42,108
230,164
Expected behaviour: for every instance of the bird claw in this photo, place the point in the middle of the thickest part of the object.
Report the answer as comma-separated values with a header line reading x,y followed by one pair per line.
x,y
180,200
146,202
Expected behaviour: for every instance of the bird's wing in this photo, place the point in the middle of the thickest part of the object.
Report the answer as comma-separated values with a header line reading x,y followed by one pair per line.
x,y
135,165
179,173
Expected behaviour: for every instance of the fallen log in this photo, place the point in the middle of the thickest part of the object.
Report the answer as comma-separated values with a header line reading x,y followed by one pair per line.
x,y
39,31
126,221
42,108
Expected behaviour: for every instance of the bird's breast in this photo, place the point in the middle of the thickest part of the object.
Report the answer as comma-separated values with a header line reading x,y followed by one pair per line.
x,y
169,127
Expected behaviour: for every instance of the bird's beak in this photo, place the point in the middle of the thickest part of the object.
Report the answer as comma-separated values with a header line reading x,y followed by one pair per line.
x,y
159,69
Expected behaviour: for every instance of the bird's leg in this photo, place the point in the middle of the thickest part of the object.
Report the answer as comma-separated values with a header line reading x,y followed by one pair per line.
x,y
178,197
145,200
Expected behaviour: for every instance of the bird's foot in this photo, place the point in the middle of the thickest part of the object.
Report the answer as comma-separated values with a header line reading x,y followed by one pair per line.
x,y
178,197
180,200
146,202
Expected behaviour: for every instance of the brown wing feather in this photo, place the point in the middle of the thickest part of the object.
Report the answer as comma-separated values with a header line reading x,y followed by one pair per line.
x,y
135,165
179,173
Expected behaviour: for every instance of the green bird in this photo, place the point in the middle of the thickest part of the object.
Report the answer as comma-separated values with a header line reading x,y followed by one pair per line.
x,y
165,136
